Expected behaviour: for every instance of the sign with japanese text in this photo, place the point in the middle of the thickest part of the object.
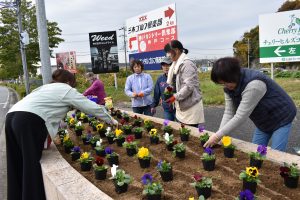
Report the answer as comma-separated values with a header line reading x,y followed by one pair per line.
x,y
279,37
148,33
67,61
104,52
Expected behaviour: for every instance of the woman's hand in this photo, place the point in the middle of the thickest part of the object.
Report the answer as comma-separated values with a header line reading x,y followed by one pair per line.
x,y
213,139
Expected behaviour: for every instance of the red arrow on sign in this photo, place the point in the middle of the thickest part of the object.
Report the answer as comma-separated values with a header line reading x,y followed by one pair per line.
x,y
130,41
169,12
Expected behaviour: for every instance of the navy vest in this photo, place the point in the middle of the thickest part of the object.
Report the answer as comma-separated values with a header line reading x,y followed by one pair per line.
x,y
274,110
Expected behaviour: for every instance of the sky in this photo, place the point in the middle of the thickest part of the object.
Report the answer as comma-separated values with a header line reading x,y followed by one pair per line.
x,y
207,28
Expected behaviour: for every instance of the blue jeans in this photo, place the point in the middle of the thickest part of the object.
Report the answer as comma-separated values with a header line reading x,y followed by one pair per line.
x,y
169,115
146,110
279,137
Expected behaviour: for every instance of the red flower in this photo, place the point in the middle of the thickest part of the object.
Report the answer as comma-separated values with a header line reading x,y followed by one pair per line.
x,y
130,138
182,125
135,117
284,172
170,89
99,161
197,177
122,121
175,142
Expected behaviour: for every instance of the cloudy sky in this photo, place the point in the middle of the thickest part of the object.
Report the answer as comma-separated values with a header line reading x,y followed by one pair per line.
x,y
208,28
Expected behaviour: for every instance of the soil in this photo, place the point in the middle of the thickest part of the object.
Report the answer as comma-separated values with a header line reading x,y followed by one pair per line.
x,y
226,183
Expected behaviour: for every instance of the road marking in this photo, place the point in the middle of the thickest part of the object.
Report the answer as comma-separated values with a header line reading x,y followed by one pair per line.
x,y
6,99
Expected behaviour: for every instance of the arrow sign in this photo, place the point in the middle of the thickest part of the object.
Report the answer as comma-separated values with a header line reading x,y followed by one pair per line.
x,y
169,12
278,51
130,41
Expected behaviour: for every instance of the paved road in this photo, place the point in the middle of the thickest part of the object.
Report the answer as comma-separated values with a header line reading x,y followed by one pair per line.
x,y
213,117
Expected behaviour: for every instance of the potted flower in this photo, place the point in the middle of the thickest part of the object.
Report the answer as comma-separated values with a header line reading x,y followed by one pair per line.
x,y
93,140
169,140
246,195
99,148
127,129
110,135
120,138
130,145
86,138
250,178
85,161
144,157
152,190
203,185
126,117
138,132
100,169
121,179
179,150
83,118
165,170
67,143
203,139
290,173
228,147
208,159
101,130
78,128
111,156
168,92
166,127
184,133
94,124
62,135
257,158
137,121
91,119
75,153
72,122
154,138
148,125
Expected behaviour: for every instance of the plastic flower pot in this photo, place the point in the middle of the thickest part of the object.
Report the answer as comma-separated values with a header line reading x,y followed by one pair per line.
x,y
120,141
127,131
170,147
291,182
78,132
209,165
180,154
68,149
102,133
228,152
256,163
85,141
153,197
166,176
86,166
144,163
113,160
100,152
154,140
131,151
110,140
206,192
137,123
184,137
100,174
75,156
138,135
250,186
120,189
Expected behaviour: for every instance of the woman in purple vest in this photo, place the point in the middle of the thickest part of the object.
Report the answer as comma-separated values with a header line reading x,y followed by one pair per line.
x,y
250,93
96,88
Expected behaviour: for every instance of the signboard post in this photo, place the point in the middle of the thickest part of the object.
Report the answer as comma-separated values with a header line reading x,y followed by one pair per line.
x,y
279,37
148,33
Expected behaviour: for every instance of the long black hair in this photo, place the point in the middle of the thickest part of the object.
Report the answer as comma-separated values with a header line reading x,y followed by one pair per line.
x,y
226,69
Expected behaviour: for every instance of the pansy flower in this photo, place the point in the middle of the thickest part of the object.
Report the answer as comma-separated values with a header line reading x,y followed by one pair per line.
x,y
118,132
201,128
226,140
246,195
209,151
76,149
108,150
166,122
262,150
197,177
99,161
146,179
130,138
252,171
143,152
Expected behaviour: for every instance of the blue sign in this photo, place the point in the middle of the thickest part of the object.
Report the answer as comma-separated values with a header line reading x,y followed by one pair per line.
x,y
151,60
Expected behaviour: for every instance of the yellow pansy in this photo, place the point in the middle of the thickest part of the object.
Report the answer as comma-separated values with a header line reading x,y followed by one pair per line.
x,y
99,127
84,155
226,140
191,198
143,152
118,132
82,115
252,171
66,137
153,132
146,121
72,120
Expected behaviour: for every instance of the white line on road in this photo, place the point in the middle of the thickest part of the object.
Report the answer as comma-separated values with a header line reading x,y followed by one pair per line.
x,y
6,99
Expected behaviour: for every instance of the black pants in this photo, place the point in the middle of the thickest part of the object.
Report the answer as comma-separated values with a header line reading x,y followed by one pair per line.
x,y
25,137
145,110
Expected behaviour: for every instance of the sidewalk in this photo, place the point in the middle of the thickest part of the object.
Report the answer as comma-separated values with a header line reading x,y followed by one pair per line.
x,y
3,170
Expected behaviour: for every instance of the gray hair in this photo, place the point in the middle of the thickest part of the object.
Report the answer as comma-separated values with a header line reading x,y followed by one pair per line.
x,y
90,75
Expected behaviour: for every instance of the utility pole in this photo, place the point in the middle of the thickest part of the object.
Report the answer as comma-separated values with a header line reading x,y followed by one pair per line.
x,y
22,48
248,53
125,46
43,41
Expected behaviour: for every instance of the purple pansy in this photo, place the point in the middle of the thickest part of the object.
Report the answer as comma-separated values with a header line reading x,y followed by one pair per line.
x,y
262,150
76,149
166,122
147,178
108,150
201,128
73,115
209,151
246,195
159,164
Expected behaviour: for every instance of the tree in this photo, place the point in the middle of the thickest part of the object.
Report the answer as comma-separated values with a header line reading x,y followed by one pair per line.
x,y
241,46
10,57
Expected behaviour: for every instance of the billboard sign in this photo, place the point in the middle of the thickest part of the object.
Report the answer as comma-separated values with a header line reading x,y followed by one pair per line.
x,y
279,37
67,61
104,52
148,33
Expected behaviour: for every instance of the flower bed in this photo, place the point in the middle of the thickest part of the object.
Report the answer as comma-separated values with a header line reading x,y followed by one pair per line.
x,y
225,176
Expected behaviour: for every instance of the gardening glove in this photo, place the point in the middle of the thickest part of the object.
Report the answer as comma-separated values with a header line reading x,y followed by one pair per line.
x,y
170,100
153,111
141,94
213,139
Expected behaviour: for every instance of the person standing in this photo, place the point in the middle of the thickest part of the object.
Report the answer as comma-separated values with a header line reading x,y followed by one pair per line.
x,y
250,93
96,88
183,75
139,86
160,87
27,126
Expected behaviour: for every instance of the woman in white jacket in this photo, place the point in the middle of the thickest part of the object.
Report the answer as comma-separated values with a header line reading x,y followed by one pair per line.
x,y
29,122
